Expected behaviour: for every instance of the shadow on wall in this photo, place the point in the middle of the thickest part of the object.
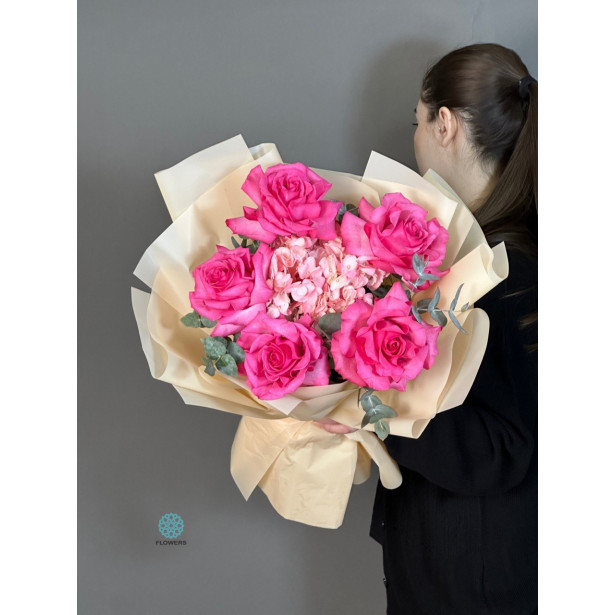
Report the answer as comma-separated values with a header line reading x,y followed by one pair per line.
x,y
388,94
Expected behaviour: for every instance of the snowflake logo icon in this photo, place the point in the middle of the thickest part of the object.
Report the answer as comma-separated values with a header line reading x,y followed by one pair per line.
x,y
171,525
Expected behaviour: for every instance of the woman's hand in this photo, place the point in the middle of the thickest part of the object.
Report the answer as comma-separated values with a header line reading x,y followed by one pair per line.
x,y
333,426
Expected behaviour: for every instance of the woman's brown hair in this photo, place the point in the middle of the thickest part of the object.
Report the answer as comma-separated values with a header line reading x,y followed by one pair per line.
x,y
480,83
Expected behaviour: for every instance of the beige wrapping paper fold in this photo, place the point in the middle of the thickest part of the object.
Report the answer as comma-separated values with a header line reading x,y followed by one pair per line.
x,y
306,472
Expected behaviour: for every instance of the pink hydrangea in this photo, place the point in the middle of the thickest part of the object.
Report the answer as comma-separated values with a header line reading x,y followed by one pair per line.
x,y
316,277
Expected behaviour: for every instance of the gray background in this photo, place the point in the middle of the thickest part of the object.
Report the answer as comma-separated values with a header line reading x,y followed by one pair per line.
x,y
327,81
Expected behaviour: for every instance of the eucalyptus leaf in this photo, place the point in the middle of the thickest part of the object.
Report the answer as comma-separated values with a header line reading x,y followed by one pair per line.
x,y
456,322
382,429
330,323
417,264
215,347
237,352
386,411
423,304
226,364
208,324
429,276
235,242
434,301
193,319
369,402
209,366
439,317
365,420
456,298
416,314
380,292
367,392
465,307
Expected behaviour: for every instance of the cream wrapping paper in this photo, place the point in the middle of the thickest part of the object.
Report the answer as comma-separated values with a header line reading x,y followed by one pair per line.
x,y
305,471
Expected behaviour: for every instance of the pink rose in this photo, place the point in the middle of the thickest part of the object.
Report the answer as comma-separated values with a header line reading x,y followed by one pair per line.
x,y
390,235
289,203
281,355
231,280
383,346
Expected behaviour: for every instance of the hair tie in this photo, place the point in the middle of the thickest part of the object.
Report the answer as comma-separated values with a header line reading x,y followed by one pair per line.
x,y
524,84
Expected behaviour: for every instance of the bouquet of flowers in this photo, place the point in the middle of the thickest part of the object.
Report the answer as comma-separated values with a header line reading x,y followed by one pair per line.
x,y
286,294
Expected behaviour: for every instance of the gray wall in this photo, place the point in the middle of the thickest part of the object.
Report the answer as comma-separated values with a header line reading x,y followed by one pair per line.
x,y
327,81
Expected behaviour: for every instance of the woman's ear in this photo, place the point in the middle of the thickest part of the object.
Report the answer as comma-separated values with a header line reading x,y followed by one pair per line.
x,y
447,126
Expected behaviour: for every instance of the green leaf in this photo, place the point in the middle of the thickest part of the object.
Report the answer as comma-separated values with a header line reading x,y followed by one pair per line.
x,y
367,392
456,298
382,429
369,402
416,314
380,292
208,324
237,352
439,317
456,322
365,420
330,323
226,364
209,366
417,264
192,320
244,242
434,301
235,242
386,411
423,304
215,347
351,208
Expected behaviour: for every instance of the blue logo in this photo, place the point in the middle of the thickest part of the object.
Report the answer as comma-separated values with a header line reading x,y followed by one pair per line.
x,y
171,525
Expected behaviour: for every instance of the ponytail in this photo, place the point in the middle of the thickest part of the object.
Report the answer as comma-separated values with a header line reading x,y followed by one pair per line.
x,y
480,83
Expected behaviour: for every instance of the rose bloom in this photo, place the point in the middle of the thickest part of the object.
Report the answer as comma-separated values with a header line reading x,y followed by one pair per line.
x,y
383,346
289,199
390,235
231,280
281,355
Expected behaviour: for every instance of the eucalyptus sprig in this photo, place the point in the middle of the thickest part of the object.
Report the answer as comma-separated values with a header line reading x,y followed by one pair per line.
x,y
194,319
330,323
223,354
246,242
431,306
376,412
346,207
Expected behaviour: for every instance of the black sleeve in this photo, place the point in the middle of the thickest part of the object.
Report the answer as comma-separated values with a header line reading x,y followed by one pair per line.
x,y
485,445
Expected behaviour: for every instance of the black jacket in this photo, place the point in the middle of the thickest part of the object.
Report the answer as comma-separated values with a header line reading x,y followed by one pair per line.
x,y
459,535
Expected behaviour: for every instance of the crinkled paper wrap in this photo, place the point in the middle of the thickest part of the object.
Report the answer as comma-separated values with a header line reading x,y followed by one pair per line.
x,y
305,471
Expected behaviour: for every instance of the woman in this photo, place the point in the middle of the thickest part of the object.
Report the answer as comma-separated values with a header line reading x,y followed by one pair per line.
x,y
459,536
